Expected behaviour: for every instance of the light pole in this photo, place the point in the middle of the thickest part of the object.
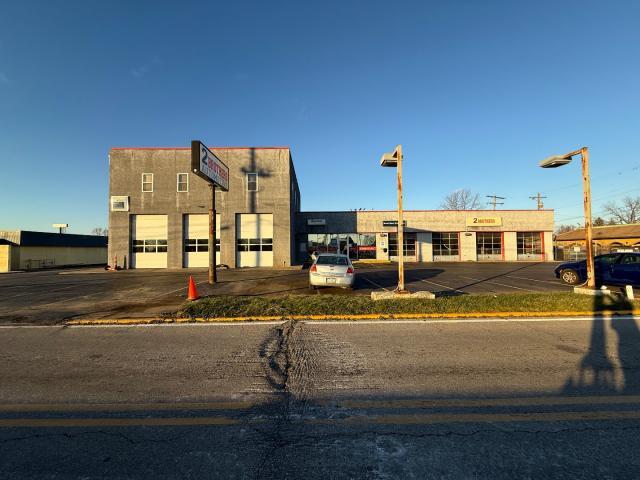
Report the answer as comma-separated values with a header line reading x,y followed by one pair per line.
x,y
560,160
395,160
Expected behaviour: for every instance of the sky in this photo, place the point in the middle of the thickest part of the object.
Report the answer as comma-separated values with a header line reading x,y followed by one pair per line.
x,y
477,93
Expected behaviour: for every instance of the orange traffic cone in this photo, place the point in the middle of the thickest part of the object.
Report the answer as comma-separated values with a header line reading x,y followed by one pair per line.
x,y
193,293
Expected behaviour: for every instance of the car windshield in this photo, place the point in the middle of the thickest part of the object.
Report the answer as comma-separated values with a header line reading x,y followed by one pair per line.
x,y
332,260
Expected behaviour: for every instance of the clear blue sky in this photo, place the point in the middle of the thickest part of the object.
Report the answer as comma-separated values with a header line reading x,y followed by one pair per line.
x,y
477,92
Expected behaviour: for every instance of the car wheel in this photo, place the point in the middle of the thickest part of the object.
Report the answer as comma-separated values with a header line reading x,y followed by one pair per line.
x,y
569,276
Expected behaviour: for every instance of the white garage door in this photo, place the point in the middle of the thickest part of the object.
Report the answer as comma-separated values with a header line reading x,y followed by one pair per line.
x,y
196,240
254,234
149,248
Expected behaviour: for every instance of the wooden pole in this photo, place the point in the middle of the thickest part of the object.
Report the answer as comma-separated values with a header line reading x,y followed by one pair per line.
x,y
212,237
400,224
586,184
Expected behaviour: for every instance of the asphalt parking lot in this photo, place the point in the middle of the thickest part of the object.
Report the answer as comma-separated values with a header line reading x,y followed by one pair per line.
x,y
58,295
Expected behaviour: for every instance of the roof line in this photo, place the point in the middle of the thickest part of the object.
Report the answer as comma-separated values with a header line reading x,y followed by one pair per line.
x,y
465,211
210,148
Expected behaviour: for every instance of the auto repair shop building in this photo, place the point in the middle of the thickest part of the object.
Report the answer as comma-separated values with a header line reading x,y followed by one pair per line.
x,y
158,218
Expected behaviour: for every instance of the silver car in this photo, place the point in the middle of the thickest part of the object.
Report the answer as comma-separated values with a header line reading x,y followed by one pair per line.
x,y
331,270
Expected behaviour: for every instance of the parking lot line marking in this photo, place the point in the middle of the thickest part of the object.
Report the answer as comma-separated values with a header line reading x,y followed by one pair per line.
x,y
541,281
480,418
440,285
374,284
488,402
500,284
114,422
123,407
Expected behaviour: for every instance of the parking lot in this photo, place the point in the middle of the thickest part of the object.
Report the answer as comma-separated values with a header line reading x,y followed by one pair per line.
x,y
58,295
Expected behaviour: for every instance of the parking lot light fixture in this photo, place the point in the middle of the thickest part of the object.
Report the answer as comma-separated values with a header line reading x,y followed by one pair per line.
x,y
560,160
394,159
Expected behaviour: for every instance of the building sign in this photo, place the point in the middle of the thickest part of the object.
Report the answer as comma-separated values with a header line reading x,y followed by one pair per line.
x,y
205,164
316,221
393,223
484,221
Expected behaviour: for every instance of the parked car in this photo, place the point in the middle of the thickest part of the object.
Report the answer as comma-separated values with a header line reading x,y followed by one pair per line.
x,y
331,270
617,269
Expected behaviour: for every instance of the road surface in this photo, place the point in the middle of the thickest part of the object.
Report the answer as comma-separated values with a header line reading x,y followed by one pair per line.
x,y
430,399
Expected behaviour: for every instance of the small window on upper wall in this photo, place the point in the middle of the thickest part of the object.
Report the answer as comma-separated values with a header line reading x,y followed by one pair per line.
x,y
183,182
147,182
252,182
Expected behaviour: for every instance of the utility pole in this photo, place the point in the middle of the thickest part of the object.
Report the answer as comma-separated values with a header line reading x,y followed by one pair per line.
x,y
539,199
495,201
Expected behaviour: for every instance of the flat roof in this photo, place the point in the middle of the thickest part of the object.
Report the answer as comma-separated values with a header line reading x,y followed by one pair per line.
x,y
27,238
210,148
609,232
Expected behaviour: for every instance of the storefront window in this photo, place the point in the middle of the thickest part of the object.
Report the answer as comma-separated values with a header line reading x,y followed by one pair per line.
x,y
445,244
367,246
359,245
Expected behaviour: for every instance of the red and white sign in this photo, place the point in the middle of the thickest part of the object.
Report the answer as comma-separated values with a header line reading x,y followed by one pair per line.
x,y
207,165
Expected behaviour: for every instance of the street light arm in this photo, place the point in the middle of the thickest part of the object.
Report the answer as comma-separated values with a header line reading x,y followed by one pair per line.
x,y
575,152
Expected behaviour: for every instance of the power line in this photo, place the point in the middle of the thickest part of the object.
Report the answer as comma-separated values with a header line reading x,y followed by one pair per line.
x,y
495,202
539,198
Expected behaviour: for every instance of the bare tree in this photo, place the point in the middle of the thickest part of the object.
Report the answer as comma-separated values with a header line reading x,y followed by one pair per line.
x,y
564,228
599,222
462,199
628,212
103,232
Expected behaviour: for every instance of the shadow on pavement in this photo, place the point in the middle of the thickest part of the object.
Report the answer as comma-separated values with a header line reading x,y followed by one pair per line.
x,y
598,372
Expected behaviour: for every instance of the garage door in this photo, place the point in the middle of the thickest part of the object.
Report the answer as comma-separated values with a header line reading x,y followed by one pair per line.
x,y
196,240
254,235
149,249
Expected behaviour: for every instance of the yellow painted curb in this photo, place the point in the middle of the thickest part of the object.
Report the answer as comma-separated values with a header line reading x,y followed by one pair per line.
x,y
370,316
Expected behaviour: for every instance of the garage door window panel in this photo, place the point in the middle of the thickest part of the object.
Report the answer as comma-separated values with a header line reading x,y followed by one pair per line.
x,y
489,245
529,245
445,244
409,241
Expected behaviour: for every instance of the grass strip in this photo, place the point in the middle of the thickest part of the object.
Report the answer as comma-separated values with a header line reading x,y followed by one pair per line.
x,y
313,305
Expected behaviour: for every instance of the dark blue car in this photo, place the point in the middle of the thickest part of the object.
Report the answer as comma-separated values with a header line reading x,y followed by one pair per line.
x,y
611,269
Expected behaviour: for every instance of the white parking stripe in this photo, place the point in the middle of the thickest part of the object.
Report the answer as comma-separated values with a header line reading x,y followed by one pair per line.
x,y
443,286
541,281
496,283
374,283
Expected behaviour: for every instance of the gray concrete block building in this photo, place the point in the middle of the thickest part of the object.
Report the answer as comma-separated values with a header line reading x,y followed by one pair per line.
x,y
158,218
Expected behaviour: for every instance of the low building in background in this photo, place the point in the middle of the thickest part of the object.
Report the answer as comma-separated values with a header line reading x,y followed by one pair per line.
x,y
158,218
26,250
429,235
608,239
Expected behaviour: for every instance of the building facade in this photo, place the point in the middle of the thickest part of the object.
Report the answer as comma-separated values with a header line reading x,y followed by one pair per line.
x,y
27,250
158,218
610,238
430,235
158,214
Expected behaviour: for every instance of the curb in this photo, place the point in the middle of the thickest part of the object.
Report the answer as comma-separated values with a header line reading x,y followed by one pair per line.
x,y
391,316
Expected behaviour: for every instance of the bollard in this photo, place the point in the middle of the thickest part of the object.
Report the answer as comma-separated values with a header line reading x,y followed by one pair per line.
x,y
629,291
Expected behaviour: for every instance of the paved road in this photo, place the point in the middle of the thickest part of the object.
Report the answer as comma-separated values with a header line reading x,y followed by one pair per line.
x,y
454,399
55,296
